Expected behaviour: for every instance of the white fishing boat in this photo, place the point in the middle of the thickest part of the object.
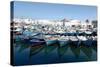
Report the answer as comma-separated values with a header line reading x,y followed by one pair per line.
x,y
86,41
74,40
82,38
94,38
88,32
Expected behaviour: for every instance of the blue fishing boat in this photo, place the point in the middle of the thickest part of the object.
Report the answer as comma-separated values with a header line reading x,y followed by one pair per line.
x,y
50,40
33,41
63,40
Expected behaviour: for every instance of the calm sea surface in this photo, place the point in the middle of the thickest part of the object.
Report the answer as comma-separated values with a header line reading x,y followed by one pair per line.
x,y
25,54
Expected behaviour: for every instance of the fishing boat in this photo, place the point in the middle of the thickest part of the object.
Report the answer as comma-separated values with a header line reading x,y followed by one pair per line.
x,y
88,33
50,39
37,42
85,40
19,38
81,39
63,40
94,40
33,41
74,40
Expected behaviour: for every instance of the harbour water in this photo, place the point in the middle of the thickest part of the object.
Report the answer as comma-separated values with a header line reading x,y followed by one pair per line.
x,y
25,54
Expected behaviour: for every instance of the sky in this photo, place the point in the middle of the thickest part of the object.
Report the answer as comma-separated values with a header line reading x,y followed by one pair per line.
x,y
37,10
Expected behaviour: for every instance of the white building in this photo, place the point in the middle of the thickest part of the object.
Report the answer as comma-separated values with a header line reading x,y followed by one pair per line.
x,y
71,24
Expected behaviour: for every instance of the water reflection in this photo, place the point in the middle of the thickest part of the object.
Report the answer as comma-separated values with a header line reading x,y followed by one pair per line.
x,y
54,53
